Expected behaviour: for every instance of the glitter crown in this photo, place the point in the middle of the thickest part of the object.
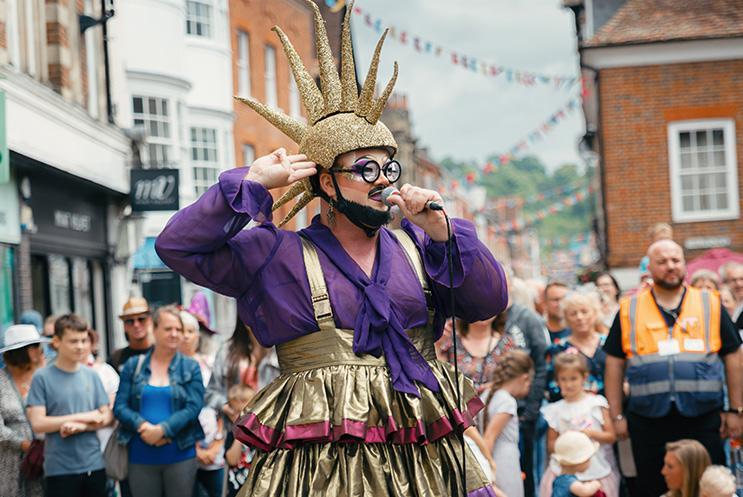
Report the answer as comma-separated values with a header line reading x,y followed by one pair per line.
x,y
339,118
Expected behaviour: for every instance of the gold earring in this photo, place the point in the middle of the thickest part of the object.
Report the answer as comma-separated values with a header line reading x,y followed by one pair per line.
x,y
331,216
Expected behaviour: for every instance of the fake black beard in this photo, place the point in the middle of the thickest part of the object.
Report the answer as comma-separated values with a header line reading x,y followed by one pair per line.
x,y
366,218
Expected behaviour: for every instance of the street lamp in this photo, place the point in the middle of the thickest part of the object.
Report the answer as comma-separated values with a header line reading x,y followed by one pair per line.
x,y
86,22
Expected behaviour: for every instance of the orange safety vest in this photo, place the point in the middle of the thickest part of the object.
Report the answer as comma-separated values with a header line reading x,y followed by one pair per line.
x,y
679,365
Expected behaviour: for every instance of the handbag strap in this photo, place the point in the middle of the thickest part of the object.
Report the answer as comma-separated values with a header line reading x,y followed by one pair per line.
x,y
140,360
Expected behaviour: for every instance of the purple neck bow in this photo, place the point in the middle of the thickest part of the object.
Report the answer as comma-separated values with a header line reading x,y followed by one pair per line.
x,y
378,329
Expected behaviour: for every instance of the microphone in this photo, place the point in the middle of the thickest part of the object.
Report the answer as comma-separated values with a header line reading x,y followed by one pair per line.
x,y
391,190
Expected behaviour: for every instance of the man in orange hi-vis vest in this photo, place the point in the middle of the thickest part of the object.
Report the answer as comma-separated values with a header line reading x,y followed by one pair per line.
x,y
676,347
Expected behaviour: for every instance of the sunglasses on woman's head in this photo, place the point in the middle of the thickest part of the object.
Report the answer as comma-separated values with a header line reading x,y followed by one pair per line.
x,y
369,170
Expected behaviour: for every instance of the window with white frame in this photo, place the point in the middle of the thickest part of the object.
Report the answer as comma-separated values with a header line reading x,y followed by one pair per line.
x,y
248,154
153,115
293,97
30,15
204,158
703,166
12,34
269,60
199,18
243,64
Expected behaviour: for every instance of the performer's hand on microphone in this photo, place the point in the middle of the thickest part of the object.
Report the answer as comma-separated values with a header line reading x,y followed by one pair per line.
x,y
279,169
412,203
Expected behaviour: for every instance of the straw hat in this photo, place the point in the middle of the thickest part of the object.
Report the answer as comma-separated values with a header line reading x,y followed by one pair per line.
x,y
135,306
573,448
18,336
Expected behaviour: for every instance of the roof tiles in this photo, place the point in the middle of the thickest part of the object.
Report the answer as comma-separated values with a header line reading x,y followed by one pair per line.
x,y
650,21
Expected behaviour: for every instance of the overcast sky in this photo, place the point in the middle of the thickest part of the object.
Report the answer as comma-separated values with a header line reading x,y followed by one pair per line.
x,y
467,115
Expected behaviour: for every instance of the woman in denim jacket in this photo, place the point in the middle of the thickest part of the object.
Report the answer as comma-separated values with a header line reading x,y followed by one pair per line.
x,y
157,406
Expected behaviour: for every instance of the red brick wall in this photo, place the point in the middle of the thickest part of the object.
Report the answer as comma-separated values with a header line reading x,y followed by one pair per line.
x,y
637,103
257,18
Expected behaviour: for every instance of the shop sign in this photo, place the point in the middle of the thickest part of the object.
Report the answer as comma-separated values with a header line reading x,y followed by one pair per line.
x,y
154,190
72,221
68,220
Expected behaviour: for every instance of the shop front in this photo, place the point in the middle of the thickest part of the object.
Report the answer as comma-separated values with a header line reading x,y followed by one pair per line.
x,y
68,246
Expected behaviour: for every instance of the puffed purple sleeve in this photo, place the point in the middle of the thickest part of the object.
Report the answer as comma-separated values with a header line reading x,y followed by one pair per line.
x,y
479,283
205,242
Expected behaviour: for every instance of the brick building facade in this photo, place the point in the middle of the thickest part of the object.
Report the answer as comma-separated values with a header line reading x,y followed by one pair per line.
x,y
638,104
664,116
261,70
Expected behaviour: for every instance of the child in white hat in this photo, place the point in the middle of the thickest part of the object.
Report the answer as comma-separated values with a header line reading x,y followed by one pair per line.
x,y
573,451
717,481
583,411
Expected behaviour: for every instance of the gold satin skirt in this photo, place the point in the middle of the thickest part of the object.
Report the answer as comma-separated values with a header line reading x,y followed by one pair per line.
x,y
331,425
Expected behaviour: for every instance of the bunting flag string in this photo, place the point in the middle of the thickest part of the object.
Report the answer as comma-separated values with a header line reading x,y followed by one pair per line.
x,y
468,62
528,220
565,241
500,203
534,136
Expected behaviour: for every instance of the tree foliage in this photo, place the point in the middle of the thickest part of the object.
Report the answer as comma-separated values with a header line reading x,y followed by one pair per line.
x,y
527,177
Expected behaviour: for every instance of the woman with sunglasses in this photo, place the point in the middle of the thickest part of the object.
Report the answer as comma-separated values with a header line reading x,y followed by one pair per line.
x,y
362,406
158,403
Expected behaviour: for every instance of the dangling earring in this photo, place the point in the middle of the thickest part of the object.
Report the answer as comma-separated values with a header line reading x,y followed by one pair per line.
x,y
331,216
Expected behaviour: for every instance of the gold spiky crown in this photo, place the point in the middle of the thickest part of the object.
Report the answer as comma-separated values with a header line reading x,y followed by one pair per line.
x,y
339,118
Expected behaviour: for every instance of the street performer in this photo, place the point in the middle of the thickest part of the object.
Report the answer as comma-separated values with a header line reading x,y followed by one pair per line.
x,y
362,407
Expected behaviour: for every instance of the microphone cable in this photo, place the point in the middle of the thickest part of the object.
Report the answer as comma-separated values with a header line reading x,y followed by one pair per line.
x,y
390,190
452,302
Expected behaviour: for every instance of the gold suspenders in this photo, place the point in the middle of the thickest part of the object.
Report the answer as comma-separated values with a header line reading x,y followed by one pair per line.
x,y
319,290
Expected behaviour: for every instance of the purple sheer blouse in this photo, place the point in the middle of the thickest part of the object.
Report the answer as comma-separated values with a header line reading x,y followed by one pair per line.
x,y
263,267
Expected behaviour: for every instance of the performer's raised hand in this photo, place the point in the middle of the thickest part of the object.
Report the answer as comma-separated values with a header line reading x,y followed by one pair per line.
x,y
278,169
412,203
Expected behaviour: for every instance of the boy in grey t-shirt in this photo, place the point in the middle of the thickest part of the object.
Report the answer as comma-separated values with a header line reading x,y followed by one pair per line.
x,y
67,401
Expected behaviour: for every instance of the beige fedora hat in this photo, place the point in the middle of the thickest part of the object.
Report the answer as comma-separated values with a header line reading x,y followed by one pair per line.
x,y
134,306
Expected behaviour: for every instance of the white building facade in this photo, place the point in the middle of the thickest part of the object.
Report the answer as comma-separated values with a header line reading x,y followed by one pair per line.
x,y
172,83
63,201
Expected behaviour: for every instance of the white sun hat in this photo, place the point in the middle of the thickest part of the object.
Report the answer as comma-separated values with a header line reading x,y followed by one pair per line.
x,y
573,448
18,336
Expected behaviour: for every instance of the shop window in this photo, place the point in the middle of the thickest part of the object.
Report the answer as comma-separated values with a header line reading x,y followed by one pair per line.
x,y
243,64
82,290
59,285
153,115
703,169
199,18
293,97
269,77
248,154
204,157
160,287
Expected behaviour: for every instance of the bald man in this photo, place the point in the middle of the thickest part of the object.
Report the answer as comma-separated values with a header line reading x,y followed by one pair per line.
x,y
676,346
